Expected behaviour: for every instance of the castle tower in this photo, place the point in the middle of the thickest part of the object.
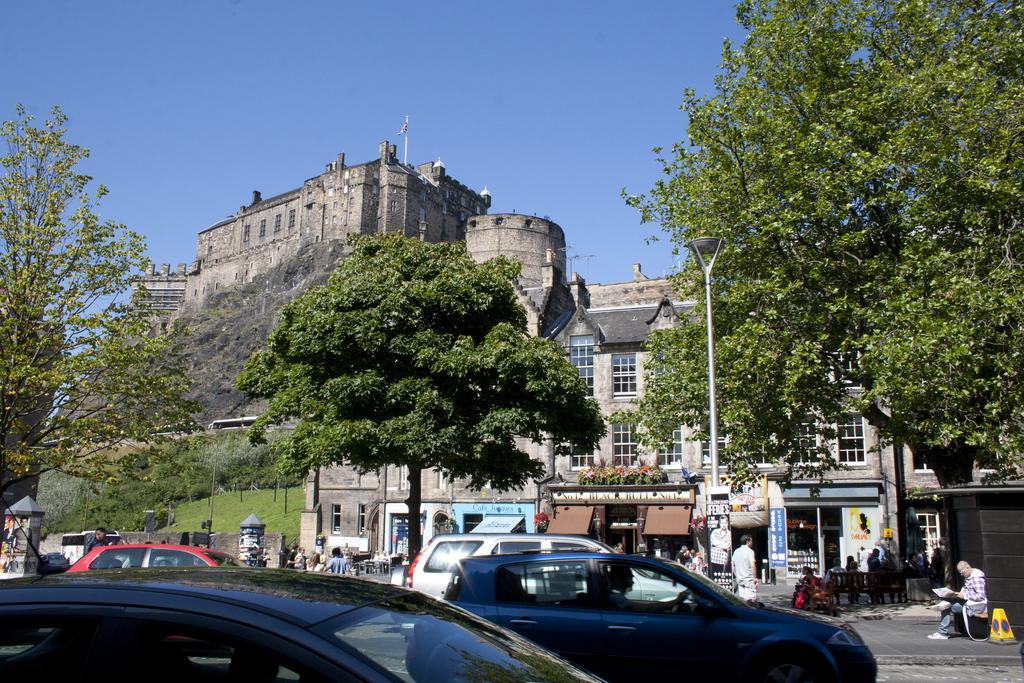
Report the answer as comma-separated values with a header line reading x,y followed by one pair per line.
x,y
534,242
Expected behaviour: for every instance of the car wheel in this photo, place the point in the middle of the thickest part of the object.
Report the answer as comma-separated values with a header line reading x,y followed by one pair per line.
x,y
788,672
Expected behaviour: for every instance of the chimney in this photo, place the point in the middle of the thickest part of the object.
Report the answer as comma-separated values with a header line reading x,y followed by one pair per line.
x,y
637,275
256,197
165,269
181,269
580,293
387,152
152,268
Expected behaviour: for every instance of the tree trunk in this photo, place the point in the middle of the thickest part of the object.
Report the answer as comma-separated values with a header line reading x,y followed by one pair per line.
x,y
413,505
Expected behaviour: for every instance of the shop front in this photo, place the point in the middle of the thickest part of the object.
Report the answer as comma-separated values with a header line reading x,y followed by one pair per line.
x,y
838,523
494,517
647,518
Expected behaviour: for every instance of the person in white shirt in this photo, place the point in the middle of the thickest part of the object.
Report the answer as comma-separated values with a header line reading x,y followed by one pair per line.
x,y
744,567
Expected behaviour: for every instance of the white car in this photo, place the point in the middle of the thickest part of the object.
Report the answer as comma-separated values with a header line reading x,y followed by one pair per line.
x,y
430,571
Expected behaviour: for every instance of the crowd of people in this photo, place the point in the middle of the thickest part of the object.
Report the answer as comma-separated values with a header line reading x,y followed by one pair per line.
x,y
692,560
341,560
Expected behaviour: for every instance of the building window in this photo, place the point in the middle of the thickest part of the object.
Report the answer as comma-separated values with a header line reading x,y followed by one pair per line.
x,y
394,205
263,228
929,522
705,450
581,354
623,445
277,224
361,518
919,464
806,440
673,457
291,219
330,191
245,234
624,374
581,461
336,518
851,441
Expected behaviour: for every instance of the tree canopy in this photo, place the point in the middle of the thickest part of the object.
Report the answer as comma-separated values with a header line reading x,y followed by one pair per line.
x,y
82,386
863,161
414,355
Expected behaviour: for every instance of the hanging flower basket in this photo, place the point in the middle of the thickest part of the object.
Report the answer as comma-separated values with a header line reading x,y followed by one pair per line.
x,y
620,475
541,521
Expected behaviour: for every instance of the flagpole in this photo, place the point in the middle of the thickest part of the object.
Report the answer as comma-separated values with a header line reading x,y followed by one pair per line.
x,y
405,154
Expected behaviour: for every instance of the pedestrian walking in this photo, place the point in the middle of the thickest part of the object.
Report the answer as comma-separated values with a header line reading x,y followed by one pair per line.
x,y
744,568
337,564
99,539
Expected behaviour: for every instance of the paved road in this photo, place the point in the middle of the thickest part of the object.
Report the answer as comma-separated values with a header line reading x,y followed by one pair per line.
x,y
926,674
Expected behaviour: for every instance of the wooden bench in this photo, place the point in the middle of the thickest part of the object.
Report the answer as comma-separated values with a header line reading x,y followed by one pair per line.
x,y
851,583
880,583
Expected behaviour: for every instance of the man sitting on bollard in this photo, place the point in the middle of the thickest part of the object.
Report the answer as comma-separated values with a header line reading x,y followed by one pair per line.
x,y
971,599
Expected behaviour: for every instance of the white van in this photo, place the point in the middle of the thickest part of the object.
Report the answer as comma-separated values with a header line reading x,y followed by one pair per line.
x,y
430,571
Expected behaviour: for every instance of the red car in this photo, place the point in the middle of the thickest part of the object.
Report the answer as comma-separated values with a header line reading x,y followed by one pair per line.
x,y
127,555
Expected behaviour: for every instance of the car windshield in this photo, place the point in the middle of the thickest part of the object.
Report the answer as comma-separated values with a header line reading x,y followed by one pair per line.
x,y
707,583
420,640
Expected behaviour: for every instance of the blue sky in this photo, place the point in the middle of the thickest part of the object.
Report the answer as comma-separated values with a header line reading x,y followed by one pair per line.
x,y
189,106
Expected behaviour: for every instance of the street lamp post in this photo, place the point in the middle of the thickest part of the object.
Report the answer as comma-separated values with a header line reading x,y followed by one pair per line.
x,y
705,250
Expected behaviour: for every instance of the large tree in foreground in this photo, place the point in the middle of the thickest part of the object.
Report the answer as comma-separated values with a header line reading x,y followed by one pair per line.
x,y
864,162
414,355
82,386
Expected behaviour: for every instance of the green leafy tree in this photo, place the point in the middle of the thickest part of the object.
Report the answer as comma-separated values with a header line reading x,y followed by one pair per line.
x,y
82,386
414,355
863,161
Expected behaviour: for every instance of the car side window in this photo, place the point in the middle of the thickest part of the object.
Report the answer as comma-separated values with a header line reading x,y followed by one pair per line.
x,y
568,545
162,557
637,588
45,648
561,584
184,653
509,547
118,558
447,552
222,559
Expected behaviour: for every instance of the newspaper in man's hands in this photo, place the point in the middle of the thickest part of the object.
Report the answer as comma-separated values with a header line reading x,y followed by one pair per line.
x,y
944,592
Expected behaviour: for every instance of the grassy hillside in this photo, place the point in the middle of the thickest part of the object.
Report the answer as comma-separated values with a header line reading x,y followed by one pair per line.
x,y
228,512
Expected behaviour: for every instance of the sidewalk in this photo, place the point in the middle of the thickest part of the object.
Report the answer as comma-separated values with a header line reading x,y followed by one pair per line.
x,y
898,633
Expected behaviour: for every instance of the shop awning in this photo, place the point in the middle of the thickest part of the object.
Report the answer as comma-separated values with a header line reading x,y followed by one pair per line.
x,y
498,524
667,520
571,519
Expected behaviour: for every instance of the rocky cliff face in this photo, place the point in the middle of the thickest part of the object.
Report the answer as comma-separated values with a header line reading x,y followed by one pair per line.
x,y
217,340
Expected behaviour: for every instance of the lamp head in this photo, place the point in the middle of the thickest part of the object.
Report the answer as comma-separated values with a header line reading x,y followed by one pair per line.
x,y
705,250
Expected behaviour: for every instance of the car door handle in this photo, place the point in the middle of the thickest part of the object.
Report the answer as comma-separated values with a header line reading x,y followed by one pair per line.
x,y
522,622
621,628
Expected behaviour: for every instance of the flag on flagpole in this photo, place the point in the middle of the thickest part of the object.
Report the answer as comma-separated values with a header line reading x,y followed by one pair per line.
x,y
405,127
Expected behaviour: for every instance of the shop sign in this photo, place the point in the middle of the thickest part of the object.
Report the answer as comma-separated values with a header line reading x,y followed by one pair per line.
x,y
719,537
886,532
777,537
647,496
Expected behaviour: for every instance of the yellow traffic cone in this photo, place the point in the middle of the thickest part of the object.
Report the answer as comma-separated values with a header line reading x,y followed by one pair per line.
x,y
1000,631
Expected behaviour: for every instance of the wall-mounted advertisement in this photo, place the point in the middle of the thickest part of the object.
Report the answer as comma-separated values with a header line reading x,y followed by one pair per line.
x,y
860,530
777,538
719,536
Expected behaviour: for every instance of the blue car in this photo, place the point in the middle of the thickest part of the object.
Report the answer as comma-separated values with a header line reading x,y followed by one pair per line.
x,y
626,617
